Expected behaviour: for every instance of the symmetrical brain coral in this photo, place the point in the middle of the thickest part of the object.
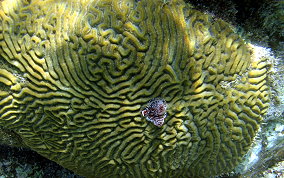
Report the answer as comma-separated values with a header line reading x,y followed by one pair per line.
x,y
76,74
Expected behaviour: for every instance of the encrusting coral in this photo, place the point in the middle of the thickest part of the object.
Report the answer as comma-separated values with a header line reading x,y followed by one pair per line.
x,y
76,74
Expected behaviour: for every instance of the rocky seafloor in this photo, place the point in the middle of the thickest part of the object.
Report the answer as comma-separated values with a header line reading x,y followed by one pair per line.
x,y
260,23
22,163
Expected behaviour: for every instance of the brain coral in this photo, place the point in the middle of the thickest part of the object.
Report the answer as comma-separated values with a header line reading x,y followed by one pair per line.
x,y
75,75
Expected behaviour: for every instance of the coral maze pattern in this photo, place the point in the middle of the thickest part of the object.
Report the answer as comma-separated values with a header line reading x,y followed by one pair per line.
x,y
74,76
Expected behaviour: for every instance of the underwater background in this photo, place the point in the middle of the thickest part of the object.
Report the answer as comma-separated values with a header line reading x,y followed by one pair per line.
x,y
260,23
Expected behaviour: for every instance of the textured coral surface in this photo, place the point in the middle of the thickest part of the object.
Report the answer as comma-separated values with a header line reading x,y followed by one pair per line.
x,y
75,75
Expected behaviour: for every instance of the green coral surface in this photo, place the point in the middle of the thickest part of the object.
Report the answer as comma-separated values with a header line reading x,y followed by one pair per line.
x,y
75,75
